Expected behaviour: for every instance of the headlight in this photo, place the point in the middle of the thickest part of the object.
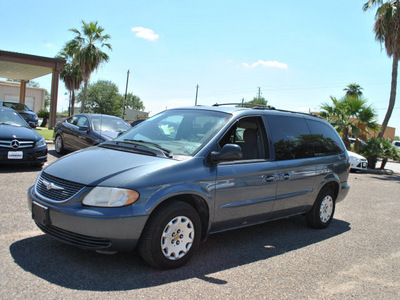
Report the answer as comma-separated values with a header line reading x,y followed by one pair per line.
x,y
40,143
110,197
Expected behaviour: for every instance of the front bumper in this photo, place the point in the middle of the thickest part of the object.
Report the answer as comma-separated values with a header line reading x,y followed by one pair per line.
x,y
29,156
85,228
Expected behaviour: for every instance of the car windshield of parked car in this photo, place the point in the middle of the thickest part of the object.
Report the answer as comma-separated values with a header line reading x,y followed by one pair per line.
x,y
9,117
102,123
16,106
181,132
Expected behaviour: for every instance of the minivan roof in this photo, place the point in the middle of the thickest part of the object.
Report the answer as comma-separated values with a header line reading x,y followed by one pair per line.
x,y
257,110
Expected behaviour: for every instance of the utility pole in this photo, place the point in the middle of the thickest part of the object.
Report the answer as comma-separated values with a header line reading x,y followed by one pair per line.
x,y
259,92
197,92
126,92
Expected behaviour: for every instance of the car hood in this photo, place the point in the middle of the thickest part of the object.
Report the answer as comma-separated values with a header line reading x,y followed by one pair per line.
x,y
353,154
107,167
18,132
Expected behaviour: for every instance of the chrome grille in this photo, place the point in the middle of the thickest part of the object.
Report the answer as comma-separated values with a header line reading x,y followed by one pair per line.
x,y
21,144
56,189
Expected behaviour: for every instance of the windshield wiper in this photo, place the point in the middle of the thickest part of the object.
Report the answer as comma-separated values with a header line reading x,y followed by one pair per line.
x,y
166,152
135,149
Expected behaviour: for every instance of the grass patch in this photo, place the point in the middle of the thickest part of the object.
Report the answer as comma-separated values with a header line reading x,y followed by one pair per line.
x,y
46,133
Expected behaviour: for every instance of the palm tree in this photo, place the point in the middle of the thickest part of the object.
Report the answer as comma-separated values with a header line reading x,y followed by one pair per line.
x,y
71,75
387,31
349,115
353,90
87,50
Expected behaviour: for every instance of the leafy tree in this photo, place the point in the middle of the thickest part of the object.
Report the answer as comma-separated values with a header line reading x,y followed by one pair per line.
x,y
258,101
379,148
103,98
372,150
349,115
88,55
353,90
388,151
387,32
71,75
44,114
134,102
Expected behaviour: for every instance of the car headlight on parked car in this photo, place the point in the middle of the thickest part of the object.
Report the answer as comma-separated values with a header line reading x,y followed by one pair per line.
x,y
110,197
40,143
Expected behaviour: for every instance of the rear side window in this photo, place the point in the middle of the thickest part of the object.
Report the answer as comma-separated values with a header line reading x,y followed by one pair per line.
x,y
291,138
326,139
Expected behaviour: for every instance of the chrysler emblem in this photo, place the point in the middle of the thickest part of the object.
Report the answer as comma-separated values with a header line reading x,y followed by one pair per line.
x,y
51,186
14,144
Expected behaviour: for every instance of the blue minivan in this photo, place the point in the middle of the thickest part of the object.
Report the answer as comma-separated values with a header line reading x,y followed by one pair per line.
x,y
167,183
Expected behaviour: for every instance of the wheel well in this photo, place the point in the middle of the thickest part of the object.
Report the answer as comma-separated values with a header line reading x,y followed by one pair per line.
x,y
198,203
334,186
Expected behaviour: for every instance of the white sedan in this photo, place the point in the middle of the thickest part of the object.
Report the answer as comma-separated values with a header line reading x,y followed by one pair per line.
x,y
357,162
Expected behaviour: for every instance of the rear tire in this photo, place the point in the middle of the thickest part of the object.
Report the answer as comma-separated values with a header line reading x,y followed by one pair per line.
x,y
171,236
322,212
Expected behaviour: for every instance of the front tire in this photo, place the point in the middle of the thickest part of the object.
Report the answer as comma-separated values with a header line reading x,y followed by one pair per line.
x,y
322,212
59,145
171,236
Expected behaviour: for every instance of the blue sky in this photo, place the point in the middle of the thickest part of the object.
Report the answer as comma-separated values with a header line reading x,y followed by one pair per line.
x,y
299,52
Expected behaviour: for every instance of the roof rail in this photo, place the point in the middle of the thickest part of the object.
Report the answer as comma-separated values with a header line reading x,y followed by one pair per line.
x,y
266,107
249,105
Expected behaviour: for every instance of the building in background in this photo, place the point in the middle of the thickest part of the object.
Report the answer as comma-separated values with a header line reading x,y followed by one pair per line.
x,y
133,115
34,97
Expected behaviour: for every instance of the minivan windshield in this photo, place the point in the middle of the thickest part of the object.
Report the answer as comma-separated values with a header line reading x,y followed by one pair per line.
x,y
180,132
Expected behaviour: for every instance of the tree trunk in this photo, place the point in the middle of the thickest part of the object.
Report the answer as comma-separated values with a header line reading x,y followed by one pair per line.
x,y
72,102
85,87
383,163
44,122
392,98
372,162
345,138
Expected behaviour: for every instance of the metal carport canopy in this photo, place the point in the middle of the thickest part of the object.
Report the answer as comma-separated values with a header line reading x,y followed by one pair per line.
x,y
26,67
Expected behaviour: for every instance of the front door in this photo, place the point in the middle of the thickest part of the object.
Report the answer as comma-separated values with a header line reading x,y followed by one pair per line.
x,y
245,189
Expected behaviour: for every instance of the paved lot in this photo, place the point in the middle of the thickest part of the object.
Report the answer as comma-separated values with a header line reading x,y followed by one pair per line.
x,y
358,256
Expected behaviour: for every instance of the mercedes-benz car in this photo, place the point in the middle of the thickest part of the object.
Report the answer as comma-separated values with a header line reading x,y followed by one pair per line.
x,y
165,185
19,143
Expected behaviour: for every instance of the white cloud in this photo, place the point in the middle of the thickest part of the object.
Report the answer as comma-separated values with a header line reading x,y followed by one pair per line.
x,y
145,33
268,63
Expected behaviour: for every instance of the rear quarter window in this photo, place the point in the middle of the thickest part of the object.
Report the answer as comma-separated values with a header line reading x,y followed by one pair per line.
x,y
326,139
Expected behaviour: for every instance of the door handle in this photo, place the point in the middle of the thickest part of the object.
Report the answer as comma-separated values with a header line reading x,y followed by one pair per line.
x,y
269,178
285,176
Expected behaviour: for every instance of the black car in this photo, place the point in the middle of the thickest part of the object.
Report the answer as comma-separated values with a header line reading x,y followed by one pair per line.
x,y
137,122
30,117
85,130
19,143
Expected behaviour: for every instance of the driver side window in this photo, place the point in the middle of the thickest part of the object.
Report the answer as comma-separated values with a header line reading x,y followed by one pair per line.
x,y
249,134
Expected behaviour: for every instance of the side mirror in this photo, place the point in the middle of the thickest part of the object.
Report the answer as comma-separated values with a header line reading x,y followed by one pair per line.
x,y
228,152
84,128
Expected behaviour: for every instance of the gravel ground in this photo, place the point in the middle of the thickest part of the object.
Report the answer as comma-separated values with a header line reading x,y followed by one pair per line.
x,y
358,256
